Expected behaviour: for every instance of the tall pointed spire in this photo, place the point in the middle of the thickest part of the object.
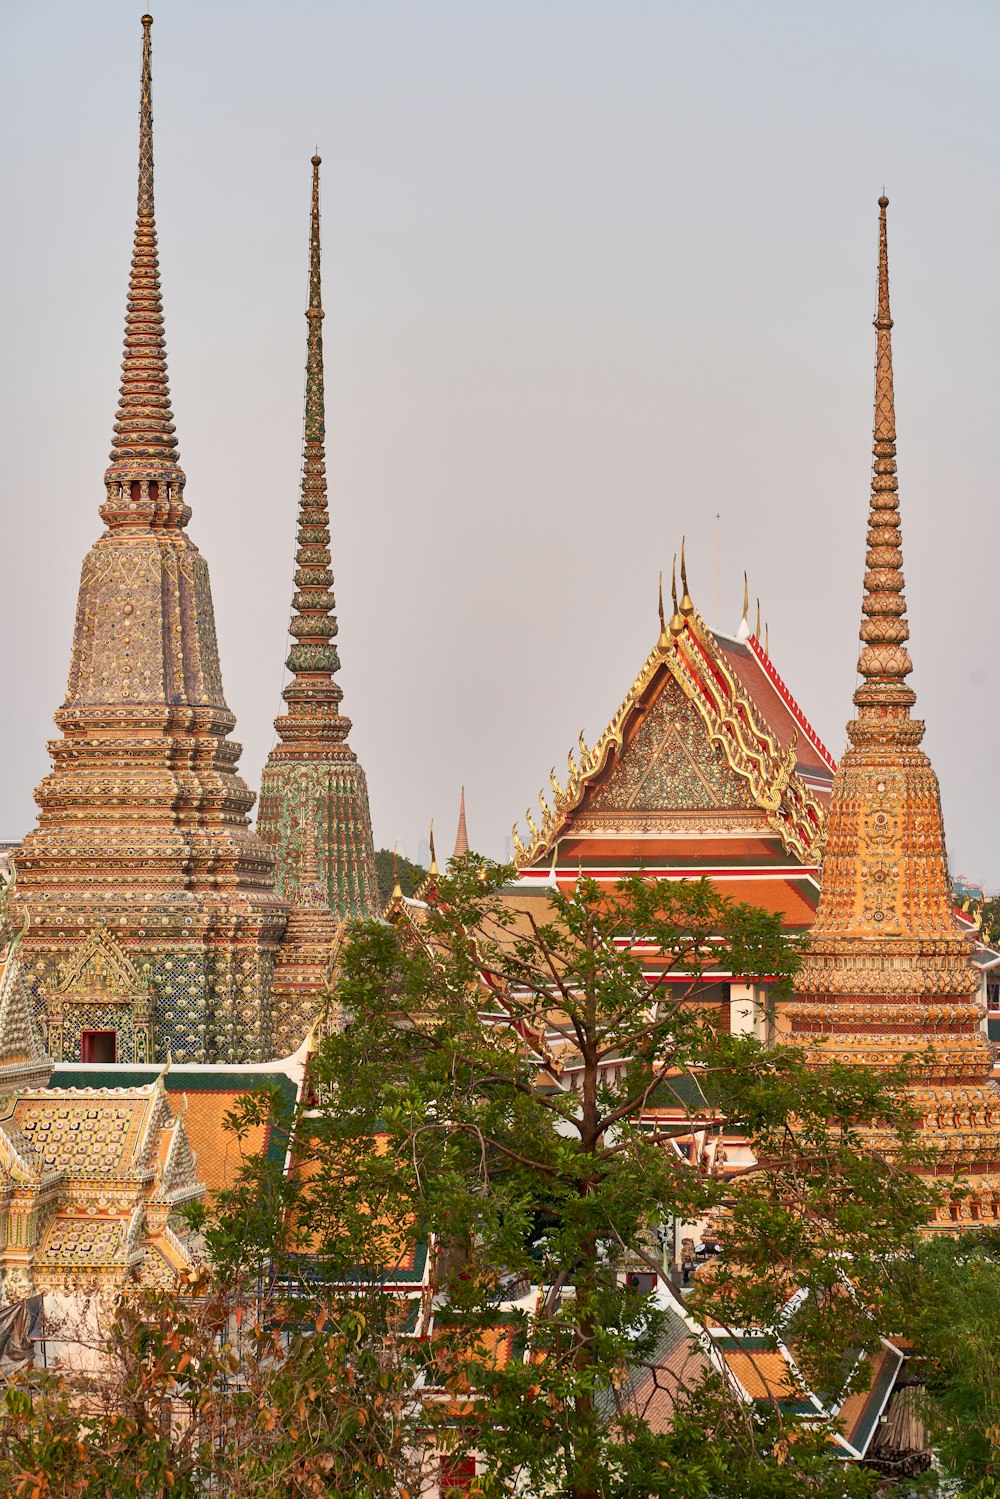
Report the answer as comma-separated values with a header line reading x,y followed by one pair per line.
x,y
884,661
313,658
888,975
144,453
462,836
312,773
143,818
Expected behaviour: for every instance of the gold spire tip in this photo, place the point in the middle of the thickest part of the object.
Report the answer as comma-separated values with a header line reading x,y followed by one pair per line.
x,y
147,21
433,868
317,161
687,603
746,597
676,619
664,633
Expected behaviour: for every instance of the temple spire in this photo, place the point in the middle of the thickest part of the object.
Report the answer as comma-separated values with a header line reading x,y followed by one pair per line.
x,y
462,836
144,445
312,774
884,661
313,658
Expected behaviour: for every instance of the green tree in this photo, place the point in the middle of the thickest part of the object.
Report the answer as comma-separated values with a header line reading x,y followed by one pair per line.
x,y
387,865
950,1309
446,1113
212,1392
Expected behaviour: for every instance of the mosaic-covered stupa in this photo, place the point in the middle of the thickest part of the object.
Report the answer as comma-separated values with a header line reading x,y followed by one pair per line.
x,y
889,973
143,832
313,785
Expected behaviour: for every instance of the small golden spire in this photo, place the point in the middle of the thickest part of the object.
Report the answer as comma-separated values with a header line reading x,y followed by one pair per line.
x,y
687,603
767,642
664,639
746,599
676,619
433,867
462,836
397,889
756,629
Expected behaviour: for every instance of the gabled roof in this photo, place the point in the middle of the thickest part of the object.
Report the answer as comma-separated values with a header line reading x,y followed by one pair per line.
x,y
753,667
745,710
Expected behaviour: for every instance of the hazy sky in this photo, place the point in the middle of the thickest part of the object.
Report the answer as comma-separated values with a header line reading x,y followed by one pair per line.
x,y
594,270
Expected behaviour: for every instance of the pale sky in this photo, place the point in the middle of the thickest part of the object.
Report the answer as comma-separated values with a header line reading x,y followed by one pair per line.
x,y
593,272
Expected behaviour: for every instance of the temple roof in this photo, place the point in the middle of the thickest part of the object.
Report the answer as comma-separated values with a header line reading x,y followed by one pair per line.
x,y
203,1097
771,767
755,671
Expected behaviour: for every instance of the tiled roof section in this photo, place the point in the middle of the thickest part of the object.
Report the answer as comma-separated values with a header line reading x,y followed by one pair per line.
x,y
204,1097
87,1134
635,850
763,1373
858,1416
83,1242
777,707
652,1385
220,1154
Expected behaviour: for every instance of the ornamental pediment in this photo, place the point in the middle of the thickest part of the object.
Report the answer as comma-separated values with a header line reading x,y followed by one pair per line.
x,y
101,969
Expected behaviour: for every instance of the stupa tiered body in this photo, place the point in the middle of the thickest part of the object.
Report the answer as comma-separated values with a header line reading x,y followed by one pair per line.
x,y
313,787
143,825
889,973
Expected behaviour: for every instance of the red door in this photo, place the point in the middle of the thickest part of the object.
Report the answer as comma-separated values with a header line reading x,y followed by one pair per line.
x,y
99,1046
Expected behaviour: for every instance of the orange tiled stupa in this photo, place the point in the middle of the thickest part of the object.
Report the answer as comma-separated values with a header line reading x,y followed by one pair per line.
x,y
143,825
313,785
889,971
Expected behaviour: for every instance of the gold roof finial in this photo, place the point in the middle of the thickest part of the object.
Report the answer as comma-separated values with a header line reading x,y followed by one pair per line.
x,y
756,630
884,661
687,603
664,639
676,619
767,640
746,599
397,889
433,867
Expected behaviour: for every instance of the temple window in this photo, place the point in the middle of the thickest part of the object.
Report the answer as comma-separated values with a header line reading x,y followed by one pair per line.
x,y
99,1046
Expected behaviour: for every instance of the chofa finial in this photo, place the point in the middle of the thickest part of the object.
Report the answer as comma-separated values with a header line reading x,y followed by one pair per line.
x,y
676,619
687,603
664,639
433,866
743,633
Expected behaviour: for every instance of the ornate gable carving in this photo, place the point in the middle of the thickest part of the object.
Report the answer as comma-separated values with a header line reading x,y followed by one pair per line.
x,y
102,968
670,763
100,988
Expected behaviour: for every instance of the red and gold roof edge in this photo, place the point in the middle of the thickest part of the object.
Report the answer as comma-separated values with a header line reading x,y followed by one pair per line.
x,y
695,661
